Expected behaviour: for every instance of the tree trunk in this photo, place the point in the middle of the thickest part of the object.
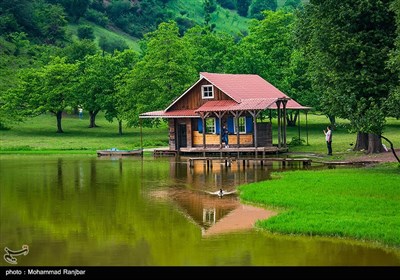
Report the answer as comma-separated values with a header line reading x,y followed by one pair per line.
x,y
332,120
92,118
119,127
59,117
362,141
292,118
374,144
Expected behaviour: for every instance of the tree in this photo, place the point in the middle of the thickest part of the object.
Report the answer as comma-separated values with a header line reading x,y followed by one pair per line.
x,y
96,84
208,49
50,22
86,32
77,50
228,4
293,4
47,89
243,7
165,71
267,49
349,47
117,105
392,104
16,16
209,7
74,8
258,6
109,45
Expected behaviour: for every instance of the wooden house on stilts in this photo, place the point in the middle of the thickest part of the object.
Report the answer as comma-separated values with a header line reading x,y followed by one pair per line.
x,y
235,100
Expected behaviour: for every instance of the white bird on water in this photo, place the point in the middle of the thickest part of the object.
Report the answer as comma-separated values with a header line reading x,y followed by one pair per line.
x,y
221,192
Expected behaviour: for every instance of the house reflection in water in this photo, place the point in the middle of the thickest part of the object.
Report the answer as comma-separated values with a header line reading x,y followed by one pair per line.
x,y
212,213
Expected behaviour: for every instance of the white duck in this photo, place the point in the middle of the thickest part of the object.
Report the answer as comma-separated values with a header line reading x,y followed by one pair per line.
x,y
221,192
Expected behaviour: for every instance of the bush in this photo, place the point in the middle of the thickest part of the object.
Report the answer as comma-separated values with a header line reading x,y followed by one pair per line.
x,y
85,32
296,141
97,17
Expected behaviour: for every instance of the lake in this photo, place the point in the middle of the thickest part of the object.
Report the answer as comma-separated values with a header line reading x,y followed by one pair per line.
x,y
84,210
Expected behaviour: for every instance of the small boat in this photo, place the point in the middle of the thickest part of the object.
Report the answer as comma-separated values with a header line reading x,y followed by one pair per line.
x,y
117,152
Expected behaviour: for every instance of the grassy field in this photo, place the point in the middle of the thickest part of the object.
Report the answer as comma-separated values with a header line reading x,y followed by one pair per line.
x,y
39,135
225,20
362,203
342,140
99,31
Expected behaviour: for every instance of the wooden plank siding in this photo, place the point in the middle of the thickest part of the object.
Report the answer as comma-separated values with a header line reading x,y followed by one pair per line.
x,y
214,139
171,125
194,100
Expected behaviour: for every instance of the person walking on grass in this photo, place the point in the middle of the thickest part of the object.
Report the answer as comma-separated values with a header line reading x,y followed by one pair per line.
x,y
328,138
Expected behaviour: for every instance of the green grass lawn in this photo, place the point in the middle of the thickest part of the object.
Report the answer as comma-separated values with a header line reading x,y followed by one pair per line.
x,y
359,203
39,135
342,142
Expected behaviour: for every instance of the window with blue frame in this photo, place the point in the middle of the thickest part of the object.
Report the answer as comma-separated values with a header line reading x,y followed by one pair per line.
x,y
210,125
241,125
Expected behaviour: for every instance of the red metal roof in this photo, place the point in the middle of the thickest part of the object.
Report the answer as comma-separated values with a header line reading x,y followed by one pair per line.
x,y
291,104
243,86
170,114
230,105
248,92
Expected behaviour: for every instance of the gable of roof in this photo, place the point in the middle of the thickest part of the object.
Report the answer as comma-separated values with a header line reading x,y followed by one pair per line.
x,y
239,87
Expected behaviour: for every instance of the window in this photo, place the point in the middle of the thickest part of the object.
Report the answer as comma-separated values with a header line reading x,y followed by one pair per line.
x,y
242,125
207,91
210,125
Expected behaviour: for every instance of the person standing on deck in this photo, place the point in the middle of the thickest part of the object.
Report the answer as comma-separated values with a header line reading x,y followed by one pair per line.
x,y
328,138
225,137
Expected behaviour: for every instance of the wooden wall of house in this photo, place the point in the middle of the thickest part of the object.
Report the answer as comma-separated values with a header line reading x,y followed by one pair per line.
x,y
195,139
213,140
264,134
193,99
173,132
171,125
188,123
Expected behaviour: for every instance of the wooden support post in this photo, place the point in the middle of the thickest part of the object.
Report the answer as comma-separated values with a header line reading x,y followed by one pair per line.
x,y
306,126
284,102
278,105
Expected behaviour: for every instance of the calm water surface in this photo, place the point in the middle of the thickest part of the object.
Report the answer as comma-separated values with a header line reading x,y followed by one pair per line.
x,y
89,211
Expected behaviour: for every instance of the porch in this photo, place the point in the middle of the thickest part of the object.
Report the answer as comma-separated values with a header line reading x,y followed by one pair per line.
x,y
225,152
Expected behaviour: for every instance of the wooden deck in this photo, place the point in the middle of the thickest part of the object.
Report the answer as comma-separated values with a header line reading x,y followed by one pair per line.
x,y
246,161
221,152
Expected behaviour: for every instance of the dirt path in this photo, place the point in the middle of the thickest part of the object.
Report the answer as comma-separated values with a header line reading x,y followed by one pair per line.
x,y
352,157
381,157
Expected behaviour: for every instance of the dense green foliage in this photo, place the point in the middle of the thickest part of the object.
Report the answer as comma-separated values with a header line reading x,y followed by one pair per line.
x,y
346,66
393,101
258,6
357,203
348,50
